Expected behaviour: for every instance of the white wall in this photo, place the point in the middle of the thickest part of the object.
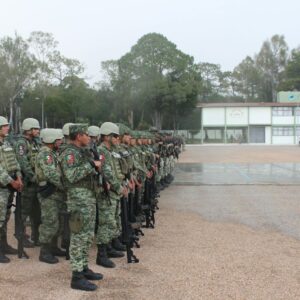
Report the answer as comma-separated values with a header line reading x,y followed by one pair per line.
x,y
283,140
268,135
259,115
283,120
213,116
237,115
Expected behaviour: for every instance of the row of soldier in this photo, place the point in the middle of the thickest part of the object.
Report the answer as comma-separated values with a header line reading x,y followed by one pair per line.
x,y
82,174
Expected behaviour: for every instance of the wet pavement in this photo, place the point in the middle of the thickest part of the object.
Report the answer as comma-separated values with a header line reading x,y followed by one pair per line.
x,y
237,173
260,195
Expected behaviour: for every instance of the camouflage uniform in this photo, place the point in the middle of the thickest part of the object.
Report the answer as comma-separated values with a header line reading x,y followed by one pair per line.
x,y
26,151
48,176
78,177
108,205
8,167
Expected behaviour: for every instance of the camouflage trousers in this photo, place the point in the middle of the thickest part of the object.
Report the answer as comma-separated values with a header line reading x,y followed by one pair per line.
x,y
51,207
31,206
81,200
4,210
108,209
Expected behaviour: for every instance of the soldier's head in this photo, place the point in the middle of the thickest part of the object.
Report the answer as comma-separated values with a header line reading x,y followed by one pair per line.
x,y
109,133
125,134
31,127
133,138
79,134
4,127
66,130
94,133
52,137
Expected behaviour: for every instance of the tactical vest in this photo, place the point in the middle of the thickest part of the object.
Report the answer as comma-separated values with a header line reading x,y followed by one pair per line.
x,y
33,151
116,158
38,170
88,182
126,162
8,158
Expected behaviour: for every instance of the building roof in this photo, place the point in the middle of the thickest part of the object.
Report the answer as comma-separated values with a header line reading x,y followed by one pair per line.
x,y
249,104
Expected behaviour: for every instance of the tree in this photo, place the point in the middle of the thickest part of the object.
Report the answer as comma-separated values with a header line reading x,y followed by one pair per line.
x,y
155,77
16,73
247,79
292,73
52,66
271,62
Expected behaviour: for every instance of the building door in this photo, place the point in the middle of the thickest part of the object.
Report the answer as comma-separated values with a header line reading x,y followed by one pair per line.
x,y
257,134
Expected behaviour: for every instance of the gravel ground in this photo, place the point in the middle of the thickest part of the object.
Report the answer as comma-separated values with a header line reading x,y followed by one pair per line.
x,y
187,255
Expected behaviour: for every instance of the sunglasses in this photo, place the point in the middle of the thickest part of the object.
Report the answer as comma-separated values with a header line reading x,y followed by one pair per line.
x,y
115,136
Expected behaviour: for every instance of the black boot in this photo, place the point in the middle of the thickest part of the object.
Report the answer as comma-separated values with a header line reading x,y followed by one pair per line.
x,y
7,249
55,250
116,244
112,252
3,259
102,258
91,275
46,255
79,282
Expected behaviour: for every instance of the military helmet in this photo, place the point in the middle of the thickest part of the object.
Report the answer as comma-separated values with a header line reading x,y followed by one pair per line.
x,y
3,121
50,135
94,131
66,129
123,129
108,128
30,123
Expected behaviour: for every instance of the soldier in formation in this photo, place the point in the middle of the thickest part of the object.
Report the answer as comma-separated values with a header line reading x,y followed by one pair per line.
x,y
87,172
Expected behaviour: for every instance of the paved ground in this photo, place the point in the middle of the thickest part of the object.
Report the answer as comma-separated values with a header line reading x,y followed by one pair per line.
x,y
229,239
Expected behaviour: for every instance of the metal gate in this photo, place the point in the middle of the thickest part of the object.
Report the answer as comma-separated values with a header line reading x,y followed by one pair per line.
x,y
257,134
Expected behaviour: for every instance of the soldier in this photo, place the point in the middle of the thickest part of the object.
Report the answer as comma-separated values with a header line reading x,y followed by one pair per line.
x,y
10,179
78,173
66,132
94,134
26,148
108,205
50,194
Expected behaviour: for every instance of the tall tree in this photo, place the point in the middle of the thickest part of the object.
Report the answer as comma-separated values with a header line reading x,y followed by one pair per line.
x,y
16,73
154,76
247,79
271,62
292,73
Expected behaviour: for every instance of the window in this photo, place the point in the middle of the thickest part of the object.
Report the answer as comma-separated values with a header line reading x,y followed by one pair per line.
x,y
282,111
283,131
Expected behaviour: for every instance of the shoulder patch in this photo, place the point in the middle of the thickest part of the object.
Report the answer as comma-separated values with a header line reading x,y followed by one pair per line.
x,y
70,159
49,159
21,150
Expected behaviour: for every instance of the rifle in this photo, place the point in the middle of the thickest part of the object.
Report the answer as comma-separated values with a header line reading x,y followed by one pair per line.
x,y
127,232
19,226
66,233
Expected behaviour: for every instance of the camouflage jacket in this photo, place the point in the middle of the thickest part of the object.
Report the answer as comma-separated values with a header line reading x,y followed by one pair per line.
x,y
47,168
26,151
76,168
8,163
109,170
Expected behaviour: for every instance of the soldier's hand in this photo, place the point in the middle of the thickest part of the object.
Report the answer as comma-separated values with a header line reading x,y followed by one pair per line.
x,y
131,185
16,185
97,164
107,186
21,182
124,192
149,174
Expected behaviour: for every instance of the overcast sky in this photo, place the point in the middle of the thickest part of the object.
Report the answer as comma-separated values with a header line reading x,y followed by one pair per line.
x,y
216,31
